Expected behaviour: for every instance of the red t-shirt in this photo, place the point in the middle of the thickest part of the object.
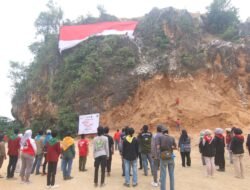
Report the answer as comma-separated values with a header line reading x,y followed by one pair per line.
x,y
83,147
28,149
13,146
117,136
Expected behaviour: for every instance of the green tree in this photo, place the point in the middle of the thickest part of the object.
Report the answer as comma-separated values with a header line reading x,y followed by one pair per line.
x,y
7,125
221,15
49,22
17,73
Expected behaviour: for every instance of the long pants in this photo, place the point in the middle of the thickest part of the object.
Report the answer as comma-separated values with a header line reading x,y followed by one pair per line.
x,y
128,165
109,162
37,163
18,164
44,163
82,162
140,160
123,167
100,160
51,173
1,161
27,162
220,160
11,166
156,165
210,165
185,159
203,160
116,144
163,173
145,159
238,165
66,167
230,155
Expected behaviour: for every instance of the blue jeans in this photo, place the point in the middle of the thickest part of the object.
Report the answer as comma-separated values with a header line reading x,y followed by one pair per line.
x,y
127,164
156,164
145,159
163,173
37,163
67,166
116,144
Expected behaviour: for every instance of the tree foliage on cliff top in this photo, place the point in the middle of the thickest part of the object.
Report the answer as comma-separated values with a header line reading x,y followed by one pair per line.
x,y
222,18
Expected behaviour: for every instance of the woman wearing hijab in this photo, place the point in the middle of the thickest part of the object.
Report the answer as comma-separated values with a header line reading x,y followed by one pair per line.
x,y
28,152
219,141
208,151
185,148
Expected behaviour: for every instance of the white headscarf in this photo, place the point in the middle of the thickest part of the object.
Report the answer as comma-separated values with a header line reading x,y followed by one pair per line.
x,y
27,135
218,131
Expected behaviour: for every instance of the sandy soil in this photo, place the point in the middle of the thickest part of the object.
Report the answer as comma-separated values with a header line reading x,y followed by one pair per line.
x,y
192,178
205,101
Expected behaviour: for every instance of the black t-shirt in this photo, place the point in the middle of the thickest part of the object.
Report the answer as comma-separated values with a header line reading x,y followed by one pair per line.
x,y
111,143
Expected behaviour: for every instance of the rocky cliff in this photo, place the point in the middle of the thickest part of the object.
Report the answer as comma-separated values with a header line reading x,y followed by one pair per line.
x,y
136,82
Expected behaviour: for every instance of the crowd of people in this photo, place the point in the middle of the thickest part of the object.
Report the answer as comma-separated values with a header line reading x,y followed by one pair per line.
x,y
155,153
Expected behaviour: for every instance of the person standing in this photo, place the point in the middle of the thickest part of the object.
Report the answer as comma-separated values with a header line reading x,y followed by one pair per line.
x,y
28,152
201,147
155,156
219,141
248,143
185,148
18,164
238,152
228,142
178,125
145,142
39,153
208,151
117,139
165,146
139,147
13,152
83,147
53,152
111,149
130,154
46,140
2,151
101,154
122,137
68,154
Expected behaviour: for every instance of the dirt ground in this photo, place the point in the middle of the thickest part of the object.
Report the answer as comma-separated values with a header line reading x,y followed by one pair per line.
x,y
192,178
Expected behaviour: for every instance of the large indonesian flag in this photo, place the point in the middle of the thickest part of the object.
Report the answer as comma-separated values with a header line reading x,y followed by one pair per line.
x,y
70,36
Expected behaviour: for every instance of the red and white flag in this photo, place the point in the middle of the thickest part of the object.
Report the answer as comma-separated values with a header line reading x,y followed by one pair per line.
x,y
70,36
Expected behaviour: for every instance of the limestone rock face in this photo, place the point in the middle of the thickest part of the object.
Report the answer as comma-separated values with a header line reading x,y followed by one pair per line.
x,y
175,59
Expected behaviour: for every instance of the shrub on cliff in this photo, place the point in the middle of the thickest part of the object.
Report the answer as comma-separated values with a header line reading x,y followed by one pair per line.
x,y
222,18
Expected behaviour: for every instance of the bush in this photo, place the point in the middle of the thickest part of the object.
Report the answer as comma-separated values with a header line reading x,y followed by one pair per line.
x,y
130,62
221,15
67,121
107,50
231,33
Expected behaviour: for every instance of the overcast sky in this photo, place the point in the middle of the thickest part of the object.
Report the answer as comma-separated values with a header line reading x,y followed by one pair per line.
x,y
17,26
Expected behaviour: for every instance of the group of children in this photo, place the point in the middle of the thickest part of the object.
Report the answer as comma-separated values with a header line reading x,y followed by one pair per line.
x,y
48,148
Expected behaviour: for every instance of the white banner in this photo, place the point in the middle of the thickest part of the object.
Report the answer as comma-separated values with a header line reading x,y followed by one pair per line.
x,y
88,124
